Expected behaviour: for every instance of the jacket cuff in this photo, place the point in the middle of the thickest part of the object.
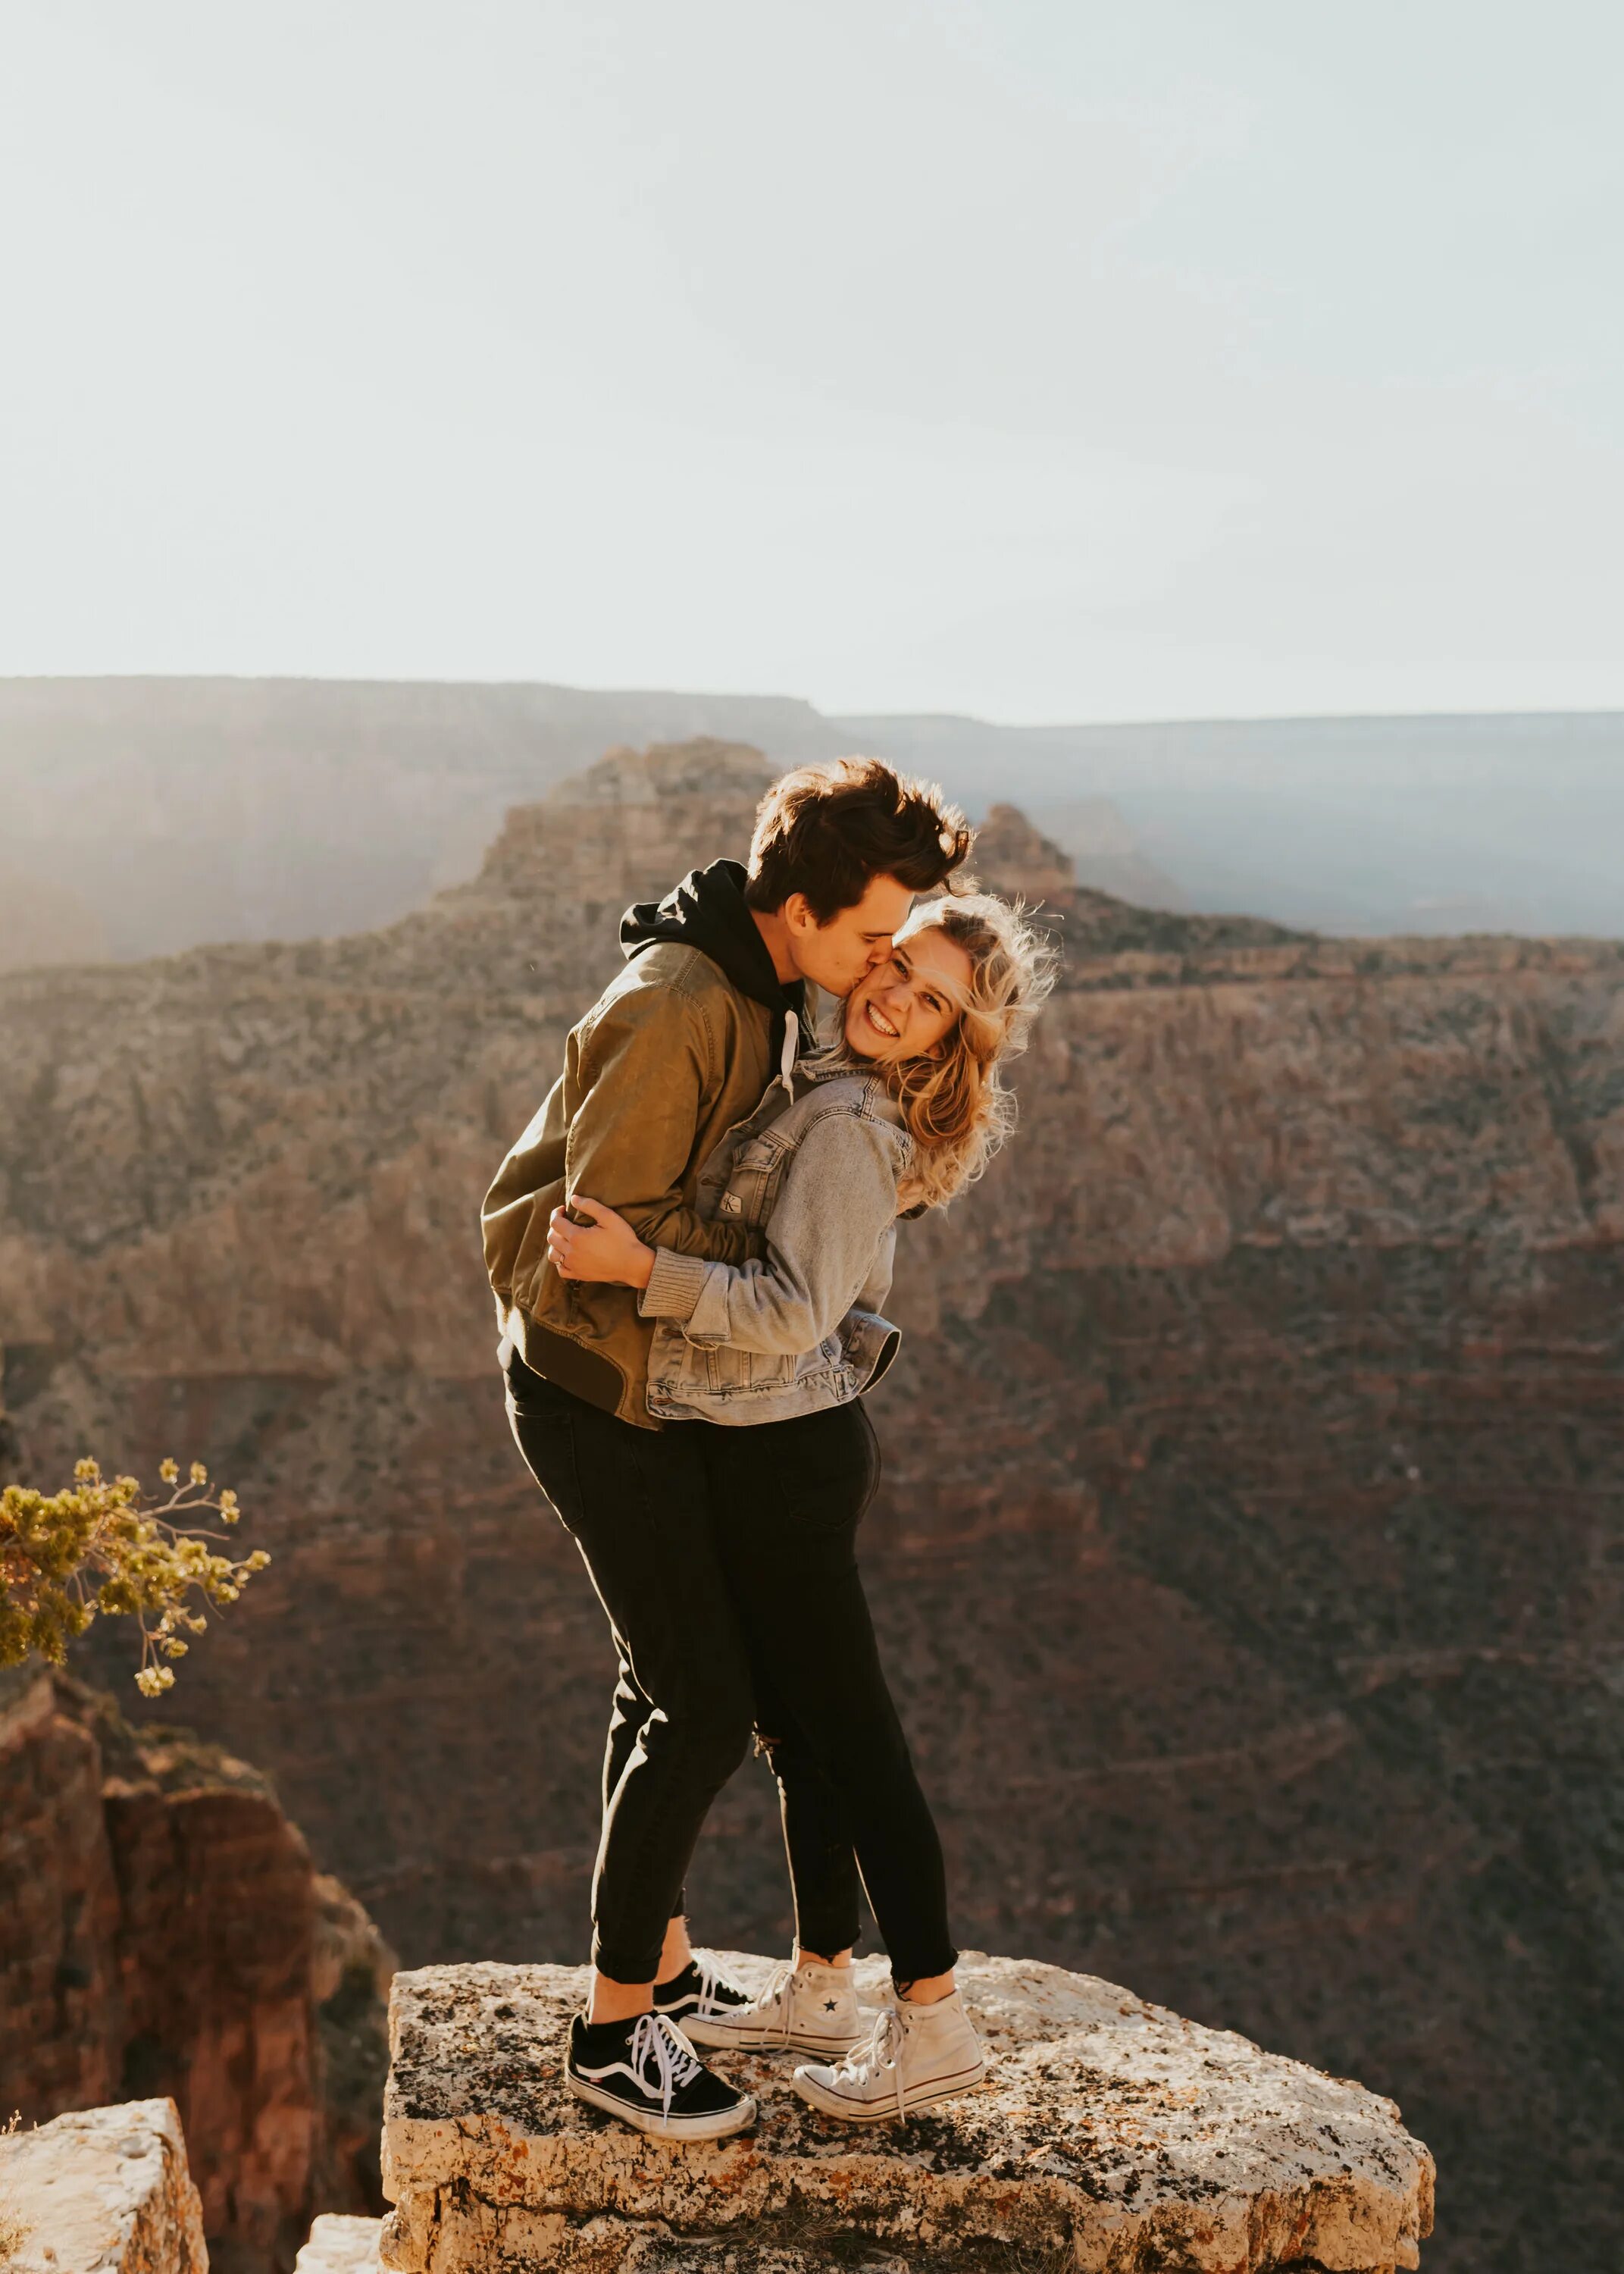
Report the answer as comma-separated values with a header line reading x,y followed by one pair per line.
x,y
675,1285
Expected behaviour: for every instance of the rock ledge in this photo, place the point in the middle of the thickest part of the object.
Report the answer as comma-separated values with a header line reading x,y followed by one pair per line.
x,y
102,2191
1111,2135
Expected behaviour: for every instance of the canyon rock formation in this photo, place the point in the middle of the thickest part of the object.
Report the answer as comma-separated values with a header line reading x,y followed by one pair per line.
x,y
163,1932
140,816
1109,2135
1249,1557
339,2243
101,2191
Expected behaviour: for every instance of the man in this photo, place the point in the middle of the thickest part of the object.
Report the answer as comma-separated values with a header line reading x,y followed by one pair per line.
x,y
679,1048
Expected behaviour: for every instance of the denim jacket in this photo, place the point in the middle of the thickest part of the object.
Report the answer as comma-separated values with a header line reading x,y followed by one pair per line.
x,y
800,1330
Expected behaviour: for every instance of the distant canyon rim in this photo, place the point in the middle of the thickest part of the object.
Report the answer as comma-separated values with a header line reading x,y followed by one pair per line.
x,y
168,812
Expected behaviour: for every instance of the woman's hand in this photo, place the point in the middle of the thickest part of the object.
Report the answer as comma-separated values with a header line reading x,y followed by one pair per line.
x,y
606,1249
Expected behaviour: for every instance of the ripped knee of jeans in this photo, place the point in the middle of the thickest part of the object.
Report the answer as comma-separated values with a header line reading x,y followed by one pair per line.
x,y
765,1744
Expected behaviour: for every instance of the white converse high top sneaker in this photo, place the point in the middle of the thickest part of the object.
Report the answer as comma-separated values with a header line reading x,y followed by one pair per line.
x,y
913,2057
809,2009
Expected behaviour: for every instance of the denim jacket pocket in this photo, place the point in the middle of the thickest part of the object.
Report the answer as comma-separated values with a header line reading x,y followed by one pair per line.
x,y
732,1372
753,1180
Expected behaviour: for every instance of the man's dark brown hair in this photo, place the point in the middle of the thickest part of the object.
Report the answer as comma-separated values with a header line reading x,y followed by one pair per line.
x,y
830,831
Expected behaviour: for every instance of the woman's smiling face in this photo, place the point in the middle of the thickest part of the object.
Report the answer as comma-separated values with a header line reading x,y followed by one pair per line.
x,y
908,1004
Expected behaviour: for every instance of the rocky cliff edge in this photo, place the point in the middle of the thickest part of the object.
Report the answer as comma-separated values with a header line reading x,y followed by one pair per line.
x,y
1111,2135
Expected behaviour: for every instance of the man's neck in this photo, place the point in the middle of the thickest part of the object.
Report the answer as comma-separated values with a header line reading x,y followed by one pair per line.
x,y
775,938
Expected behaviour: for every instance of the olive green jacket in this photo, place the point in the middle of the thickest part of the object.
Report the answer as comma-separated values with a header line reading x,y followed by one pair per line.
x,y
670,1056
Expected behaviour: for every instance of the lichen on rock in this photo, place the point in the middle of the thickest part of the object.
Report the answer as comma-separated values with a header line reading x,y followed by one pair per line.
x,y
1111,2135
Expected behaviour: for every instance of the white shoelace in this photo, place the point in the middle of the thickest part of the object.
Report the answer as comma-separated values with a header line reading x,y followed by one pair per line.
x,y
709,1983
776,2001
772,1997
882,2049
657,2038
780,1992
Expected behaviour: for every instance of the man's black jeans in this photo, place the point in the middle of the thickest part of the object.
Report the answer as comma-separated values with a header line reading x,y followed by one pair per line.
x,y
725,1561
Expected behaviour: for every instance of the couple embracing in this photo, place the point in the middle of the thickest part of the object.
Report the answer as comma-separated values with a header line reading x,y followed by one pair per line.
x,y
690,1248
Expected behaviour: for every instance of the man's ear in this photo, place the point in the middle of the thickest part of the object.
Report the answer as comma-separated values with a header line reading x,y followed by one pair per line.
x,y
797,913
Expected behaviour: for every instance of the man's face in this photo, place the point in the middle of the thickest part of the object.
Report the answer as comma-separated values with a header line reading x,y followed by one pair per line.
x,y
836,955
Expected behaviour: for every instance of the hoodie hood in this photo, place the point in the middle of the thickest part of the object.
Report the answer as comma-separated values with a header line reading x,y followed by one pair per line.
x,y
707,911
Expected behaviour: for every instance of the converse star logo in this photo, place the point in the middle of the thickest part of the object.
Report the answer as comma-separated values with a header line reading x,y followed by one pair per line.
x,y
829,2005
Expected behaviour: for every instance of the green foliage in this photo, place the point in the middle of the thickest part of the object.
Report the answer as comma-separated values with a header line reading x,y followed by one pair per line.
x,y
103,1545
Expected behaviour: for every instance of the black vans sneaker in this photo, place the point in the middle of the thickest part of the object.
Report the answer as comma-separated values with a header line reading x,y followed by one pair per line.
x,y
646,2073
699,1993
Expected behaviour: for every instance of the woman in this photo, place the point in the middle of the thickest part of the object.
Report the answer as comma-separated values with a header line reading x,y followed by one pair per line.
x,y
902,1112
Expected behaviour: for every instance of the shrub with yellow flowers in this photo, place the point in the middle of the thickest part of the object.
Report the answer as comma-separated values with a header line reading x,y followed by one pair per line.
x,y
104,1546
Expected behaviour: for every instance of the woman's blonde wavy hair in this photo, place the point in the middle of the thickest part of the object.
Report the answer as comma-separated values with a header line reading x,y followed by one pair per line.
x,y
955,1104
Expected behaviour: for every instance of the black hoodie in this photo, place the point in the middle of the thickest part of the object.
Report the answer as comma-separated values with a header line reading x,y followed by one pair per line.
x,y
707,911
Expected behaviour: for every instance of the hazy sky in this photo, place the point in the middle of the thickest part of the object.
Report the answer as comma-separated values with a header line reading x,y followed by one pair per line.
x,y
1039,358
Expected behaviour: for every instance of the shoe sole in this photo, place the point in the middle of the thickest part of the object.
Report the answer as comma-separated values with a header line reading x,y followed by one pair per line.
x,y
716,2126
715,2035
863,2112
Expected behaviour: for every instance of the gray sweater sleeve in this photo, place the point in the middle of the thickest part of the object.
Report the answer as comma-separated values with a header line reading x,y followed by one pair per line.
x,y
829,1222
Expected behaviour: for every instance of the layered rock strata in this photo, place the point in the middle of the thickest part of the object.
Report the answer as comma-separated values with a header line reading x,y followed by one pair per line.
x,y
1250,1558
162,1931
1110,2133
102,2191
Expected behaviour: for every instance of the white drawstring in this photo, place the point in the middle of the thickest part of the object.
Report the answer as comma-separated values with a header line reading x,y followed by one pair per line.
x,y
657,2038
786,1056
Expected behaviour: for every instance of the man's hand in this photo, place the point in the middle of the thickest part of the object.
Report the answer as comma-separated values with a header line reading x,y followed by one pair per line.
x,y
607,1249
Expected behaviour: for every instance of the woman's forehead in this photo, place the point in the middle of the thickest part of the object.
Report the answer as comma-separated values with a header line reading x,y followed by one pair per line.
x,y
931,954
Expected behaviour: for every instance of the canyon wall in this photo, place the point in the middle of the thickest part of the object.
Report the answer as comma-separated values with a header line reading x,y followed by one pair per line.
x,y
164,1935
1250,1555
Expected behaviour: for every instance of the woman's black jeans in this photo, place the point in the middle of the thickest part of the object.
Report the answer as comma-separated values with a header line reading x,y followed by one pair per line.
x,y
786,1499
725,1559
